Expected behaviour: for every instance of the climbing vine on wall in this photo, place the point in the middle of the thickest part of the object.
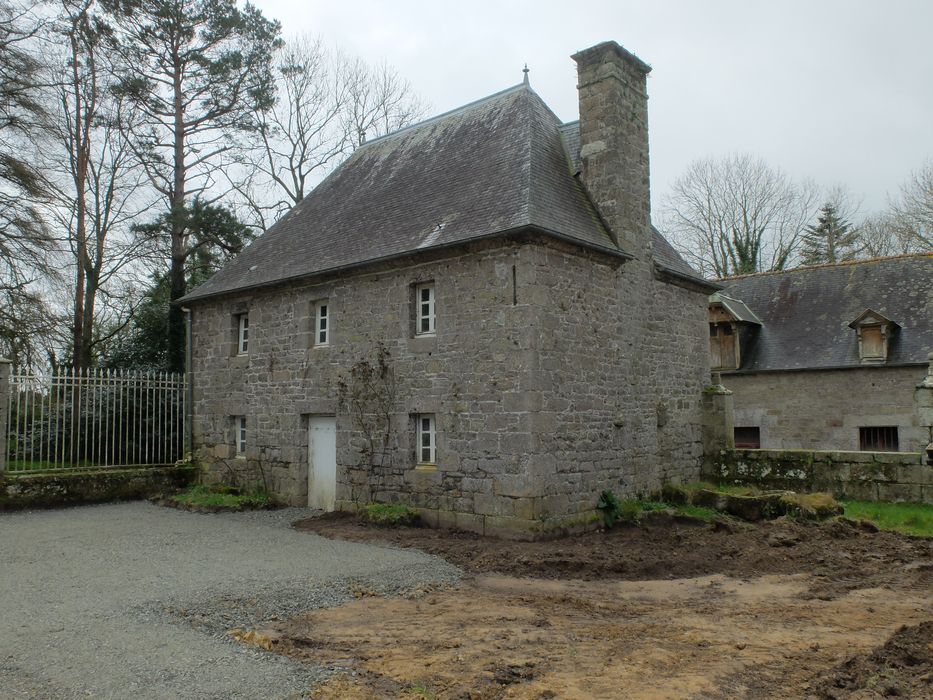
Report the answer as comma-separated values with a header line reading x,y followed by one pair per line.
x,y
367,393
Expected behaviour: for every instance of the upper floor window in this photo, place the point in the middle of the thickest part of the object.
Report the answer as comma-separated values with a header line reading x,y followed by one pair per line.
x,y
722,346
874,332
427,439
242,346
321,323
424,309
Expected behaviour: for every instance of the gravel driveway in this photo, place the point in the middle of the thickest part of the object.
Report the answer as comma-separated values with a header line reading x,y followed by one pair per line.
x,y
133,600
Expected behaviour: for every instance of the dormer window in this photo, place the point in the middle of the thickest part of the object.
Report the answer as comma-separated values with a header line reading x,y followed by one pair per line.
x,y
873,331
722,346
731,323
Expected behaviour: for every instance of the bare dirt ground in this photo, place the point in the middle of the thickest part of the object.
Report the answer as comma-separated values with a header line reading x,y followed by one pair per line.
x,y
668,610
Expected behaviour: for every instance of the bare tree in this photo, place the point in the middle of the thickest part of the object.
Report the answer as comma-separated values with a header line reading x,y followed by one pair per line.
x,y
302,136
111,192
380,101
326,105
913,209
738,215
24,241
880,235
97,180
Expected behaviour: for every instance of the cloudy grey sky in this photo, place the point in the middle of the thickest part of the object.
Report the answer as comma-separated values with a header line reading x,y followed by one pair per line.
x,y
837,91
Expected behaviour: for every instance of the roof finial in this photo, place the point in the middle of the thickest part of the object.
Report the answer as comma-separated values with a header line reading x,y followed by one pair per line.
x,y
525,71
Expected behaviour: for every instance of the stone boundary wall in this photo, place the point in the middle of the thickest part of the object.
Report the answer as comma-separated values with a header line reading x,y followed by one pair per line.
x,y
74,488
864,476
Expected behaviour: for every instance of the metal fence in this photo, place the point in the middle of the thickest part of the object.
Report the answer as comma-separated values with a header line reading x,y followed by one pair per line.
x,y
92,419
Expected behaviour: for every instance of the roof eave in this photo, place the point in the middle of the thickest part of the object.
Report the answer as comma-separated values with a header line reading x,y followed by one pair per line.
x,y
195,298
772,370
688,282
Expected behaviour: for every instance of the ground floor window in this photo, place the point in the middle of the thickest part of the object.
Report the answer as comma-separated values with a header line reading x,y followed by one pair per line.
x,y
878,439
427,438
239,428
748,438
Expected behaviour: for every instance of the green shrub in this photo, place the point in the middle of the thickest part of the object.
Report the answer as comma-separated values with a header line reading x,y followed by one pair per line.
x,y
616,511
386,515
608,505
223,497
630,512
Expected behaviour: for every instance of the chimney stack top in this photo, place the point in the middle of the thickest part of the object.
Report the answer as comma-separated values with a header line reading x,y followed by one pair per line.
x,y
605,47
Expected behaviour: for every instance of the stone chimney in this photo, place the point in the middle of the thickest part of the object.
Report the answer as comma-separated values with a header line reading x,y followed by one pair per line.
x,y
612,87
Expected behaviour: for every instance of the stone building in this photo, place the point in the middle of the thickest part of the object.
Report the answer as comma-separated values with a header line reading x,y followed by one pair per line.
x,y
472,316
827,357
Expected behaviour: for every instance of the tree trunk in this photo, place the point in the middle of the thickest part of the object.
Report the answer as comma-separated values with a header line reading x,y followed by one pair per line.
x,y
80,182
91,285
179,253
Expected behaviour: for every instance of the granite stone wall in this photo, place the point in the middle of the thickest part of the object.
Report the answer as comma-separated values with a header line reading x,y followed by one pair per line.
x,y
468,375
866,476
555,373
546,387
620,367
823,410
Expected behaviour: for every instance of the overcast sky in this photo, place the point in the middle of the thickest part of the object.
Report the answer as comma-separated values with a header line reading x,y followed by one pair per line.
x,y
840,92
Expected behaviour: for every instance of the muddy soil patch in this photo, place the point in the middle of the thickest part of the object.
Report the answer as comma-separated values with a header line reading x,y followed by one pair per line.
x,y
903,667
712,637
840,556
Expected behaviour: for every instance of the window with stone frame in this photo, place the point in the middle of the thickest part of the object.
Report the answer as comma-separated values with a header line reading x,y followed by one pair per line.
x,y
239,435
872,347
425,316
878,438
874,332
242,334
426,439
322,323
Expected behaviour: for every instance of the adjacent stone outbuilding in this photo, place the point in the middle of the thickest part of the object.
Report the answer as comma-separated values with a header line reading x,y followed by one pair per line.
x,y
472,316
827,357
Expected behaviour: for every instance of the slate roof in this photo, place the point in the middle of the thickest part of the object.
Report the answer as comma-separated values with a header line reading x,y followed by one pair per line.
x,y
668,260
501,164
805,313
736,307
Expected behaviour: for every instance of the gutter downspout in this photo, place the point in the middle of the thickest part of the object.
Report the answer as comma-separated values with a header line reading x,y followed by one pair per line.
x,y
189,371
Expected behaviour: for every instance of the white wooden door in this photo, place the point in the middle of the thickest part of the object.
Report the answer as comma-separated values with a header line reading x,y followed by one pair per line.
x,y
322,462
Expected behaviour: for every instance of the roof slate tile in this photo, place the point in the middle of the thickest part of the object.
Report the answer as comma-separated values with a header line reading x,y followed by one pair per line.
x,y
805,313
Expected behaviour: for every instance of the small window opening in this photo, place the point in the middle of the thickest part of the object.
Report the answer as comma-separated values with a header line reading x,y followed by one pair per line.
x,y
748,438
427,439
240,429
321,324
878,439
242,334
425,320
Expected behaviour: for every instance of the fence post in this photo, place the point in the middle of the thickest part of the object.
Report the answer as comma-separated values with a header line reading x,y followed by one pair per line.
x,y
5,366
923,403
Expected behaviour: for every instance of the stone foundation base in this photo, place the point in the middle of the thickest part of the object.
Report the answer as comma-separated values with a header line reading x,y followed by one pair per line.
x,y
505,527
863,476
73,488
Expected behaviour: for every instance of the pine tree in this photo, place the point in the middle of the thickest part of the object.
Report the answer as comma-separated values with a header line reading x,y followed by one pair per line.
x,y
831,239
195,70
